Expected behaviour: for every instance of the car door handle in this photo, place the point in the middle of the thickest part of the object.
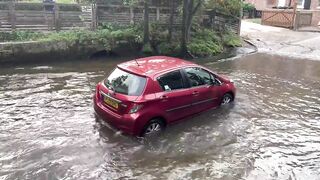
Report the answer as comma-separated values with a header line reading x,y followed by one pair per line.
x,y
163,97
195,93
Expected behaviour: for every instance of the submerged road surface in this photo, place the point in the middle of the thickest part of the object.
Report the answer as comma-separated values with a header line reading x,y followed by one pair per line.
x,y
48,129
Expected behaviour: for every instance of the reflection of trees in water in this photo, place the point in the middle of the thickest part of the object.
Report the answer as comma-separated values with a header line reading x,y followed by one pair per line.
x,y
119,84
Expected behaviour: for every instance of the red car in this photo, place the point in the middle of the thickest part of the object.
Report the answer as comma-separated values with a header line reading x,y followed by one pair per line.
x,y
142,96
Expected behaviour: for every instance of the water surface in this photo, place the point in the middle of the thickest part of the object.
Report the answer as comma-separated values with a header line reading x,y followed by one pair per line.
x,y
48,129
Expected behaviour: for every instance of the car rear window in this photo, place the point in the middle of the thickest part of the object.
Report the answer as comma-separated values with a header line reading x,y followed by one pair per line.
x,y
125,83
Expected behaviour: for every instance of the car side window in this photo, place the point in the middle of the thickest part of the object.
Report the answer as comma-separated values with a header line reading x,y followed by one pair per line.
x,y
171,81
198,76
216,80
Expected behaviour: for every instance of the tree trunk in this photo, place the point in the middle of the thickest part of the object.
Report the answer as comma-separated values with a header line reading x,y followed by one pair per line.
x,y
188,12
171,20
183,46
189,19
146,37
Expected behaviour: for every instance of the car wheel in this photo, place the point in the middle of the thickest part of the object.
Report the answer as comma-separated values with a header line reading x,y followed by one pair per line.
x,y
154,127
226,99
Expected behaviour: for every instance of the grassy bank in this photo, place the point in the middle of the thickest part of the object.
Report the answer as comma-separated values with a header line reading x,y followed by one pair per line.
x,y
203,42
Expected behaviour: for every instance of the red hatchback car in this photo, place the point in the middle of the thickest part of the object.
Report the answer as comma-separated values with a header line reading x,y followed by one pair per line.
x,y
142,96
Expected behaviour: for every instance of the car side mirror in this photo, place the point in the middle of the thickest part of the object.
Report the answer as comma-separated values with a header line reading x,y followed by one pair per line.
x,y
215,82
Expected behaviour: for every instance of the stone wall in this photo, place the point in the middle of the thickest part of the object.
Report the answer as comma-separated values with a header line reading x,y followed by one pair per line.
x,y
44,51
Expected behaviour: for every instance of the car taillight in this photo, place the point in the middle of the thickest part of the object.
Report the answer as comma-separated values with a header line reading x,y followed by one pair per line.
x,y
135,108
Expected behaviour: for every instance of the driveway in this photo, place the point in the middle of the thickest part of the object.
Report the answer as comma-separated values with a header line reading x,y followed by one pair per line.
x,y
282,41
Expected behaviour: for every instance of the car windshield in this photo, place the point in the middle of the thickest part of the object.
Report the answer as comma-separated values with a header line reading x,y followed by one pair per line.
x,y
125,83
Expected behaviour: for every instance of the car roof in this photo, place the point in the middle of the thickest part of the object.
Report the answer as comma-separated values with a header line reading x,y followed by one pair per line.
x,y
151,66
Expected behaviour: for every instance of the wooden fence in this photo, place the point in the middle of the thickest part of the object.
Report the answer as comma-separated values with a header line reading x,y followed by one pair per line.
x,y
281,18
286,18
54,16
125,15
221,21
133,15
44,16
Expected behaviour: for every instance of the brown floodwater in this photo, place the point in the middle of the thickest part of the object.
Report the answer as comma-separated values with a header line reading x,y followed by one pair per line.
x,y
48,129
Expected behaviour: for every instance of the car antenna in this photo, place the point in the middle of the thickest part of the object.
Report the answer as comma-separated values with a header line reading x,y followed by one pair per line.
x,y
136,61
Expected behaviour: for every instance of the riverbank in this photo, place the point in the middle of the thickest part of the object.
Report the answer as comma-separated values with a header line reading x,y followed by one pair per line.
x,y
19,47
30,51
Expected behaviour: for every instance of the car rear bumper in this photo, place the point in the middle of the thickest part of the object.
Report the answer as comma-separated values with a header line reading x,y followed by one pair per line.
x,y
125,123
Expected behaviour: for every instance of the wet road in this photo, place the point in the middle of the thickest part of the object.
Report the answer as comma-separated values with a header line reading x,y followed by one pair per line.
x,y
48,129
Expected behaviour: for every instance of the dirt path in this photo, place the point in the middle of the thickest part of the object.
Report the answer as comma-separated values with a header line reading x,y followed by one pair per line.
x,y
282,41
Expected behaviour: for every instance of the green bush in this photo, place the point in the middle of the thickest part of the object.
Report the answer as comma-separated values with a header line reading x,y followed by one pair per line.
x,y
248,7
20,36
205,43
147,49
158,33
109,38
230,39
166,48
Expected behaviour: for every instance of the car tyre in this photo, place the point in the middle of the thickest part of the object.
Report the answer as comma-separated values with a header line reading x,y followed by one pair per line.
x,y
226,99
153,127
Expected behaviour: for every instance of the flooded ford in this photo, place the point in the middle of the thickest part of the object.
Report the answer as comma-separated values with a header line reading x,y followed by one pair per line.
x,y
48,128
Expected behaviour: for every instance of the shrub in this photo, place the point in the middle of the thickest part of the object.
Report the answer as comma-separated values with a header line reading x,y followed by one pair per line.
x,y
205,43
166,48
147,49
230,39
248,7
158,33
20,36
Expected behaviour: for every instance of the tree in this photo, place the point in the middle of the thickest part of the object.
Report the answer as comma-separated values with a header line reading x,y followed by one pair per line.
x,y
170,28
190,7
146,23
231,7
146,32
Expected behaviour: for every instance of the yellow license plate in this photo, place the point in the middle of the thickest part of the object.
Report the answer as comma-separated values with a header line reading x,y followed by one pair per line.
x,y
111,102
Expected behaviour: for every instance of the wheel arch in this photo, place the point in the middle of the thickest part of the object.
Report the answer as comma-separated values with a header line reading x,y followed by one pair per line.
x,y
160,118
231,93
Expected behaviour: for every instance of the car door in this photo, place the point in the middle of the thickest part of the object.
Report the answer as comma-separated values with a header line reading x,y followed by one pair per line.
x,y
204,88
174,98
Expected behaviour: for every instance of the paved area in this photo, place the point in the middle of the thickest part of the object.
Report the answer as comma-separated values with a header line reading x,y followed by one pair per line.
x,y
282,41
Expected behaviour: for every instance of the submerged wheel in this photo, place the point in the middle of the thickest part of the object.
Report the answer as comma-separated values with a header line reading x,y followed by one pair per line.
x,y
154,127
226,99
